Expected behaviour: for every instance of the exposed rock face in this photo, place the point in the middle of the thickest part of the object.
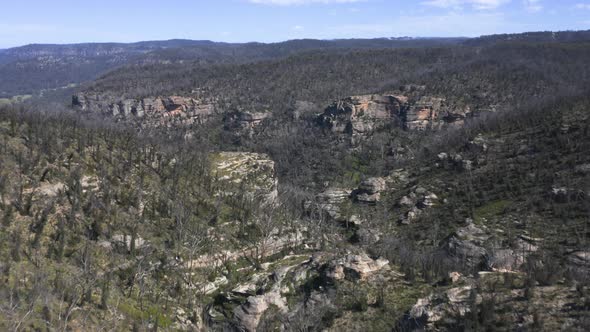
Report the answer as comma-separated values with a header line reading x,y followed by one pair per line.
x,y
503,296
450,306
369,190
513,258
355,267
252,172
330,202
432,113
360,116
465,246
417,201
153,111
579,261
248,314
246,122
422,114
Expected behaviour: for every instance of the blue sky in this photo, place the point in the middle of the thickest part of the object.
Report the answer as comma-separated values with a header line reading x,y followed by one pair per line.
x,y
69,21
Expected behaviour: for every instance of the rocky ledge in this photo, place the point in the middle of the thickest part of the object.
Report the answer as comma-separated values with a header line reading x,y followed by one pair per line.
x,y
359,116
155,111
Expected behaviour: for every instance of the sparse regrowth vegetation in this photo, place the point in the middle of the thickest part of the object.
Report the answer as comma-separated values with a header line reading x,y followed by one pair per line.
x,y
441,188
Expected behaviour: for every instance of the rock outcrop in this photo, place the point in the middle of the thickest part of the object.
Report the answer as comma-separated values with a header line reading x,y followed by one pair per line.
x,y
466,247
244,122
355,267
432,113
369,191
158,111
513,258
579,261
417,201
499,301
329,203
268,289
360,116
450,307
253,173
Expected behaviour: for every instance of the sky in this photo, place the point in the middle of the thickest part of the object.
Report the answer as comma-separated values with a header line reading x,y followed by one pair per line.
x,y
74,21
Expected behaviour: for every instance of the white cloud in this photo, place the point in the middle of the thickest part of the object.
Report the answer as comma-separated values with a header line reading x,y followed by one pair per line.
x,y
458,4
300,2
533,6
582,6
298,28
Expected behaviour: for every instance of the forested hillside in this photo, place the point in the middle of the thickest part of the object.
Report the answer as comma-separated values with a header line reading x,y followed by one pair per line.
x,y
504,75
31,69
440,188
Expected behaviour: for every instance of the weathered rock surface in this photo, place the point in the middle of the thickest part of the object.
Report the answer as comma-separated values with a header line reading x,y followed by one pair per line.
x,y
450,306
355,267
245,122
369,191
360,116
504,300
330,203
252,172
466,246
579,261
157,111
417,201
248,314
513,258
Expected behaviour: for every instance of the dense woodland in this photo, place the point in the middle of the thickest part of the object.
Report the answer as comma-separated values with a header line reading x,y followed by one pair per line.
x,y
505,74
35,69
110,226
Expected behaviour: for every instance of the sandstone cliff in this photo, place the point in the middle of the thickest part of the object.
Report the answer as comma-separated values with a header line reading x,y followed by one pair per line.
x,y
157,111
360,116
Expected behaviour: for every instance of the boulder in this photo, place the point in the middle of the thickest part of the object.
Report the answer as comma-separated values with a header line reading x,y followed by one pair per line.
x,y
513,258
355,267
369,191
465,247
417,201
579,261
446,308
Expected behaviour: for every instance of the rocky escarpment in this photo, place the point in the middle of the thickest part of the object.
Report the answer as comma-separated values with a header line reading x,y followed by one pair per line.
x,y
245,122
360,116
157,111
500,301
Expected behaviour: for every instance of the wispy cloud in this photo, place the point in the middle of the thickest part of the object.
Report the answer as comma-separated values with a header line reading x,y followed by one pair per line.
x,y
582,6
533,6
459,4
445,25
301,2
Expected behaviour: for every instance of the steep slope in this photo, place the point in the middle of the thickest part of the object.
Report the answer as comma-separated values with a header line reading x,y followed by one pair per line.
x,y
376,190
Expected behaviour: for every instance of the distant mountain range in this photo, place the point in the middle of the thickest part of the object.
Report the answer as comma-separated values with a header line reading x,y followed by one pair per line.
x,y
32,69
